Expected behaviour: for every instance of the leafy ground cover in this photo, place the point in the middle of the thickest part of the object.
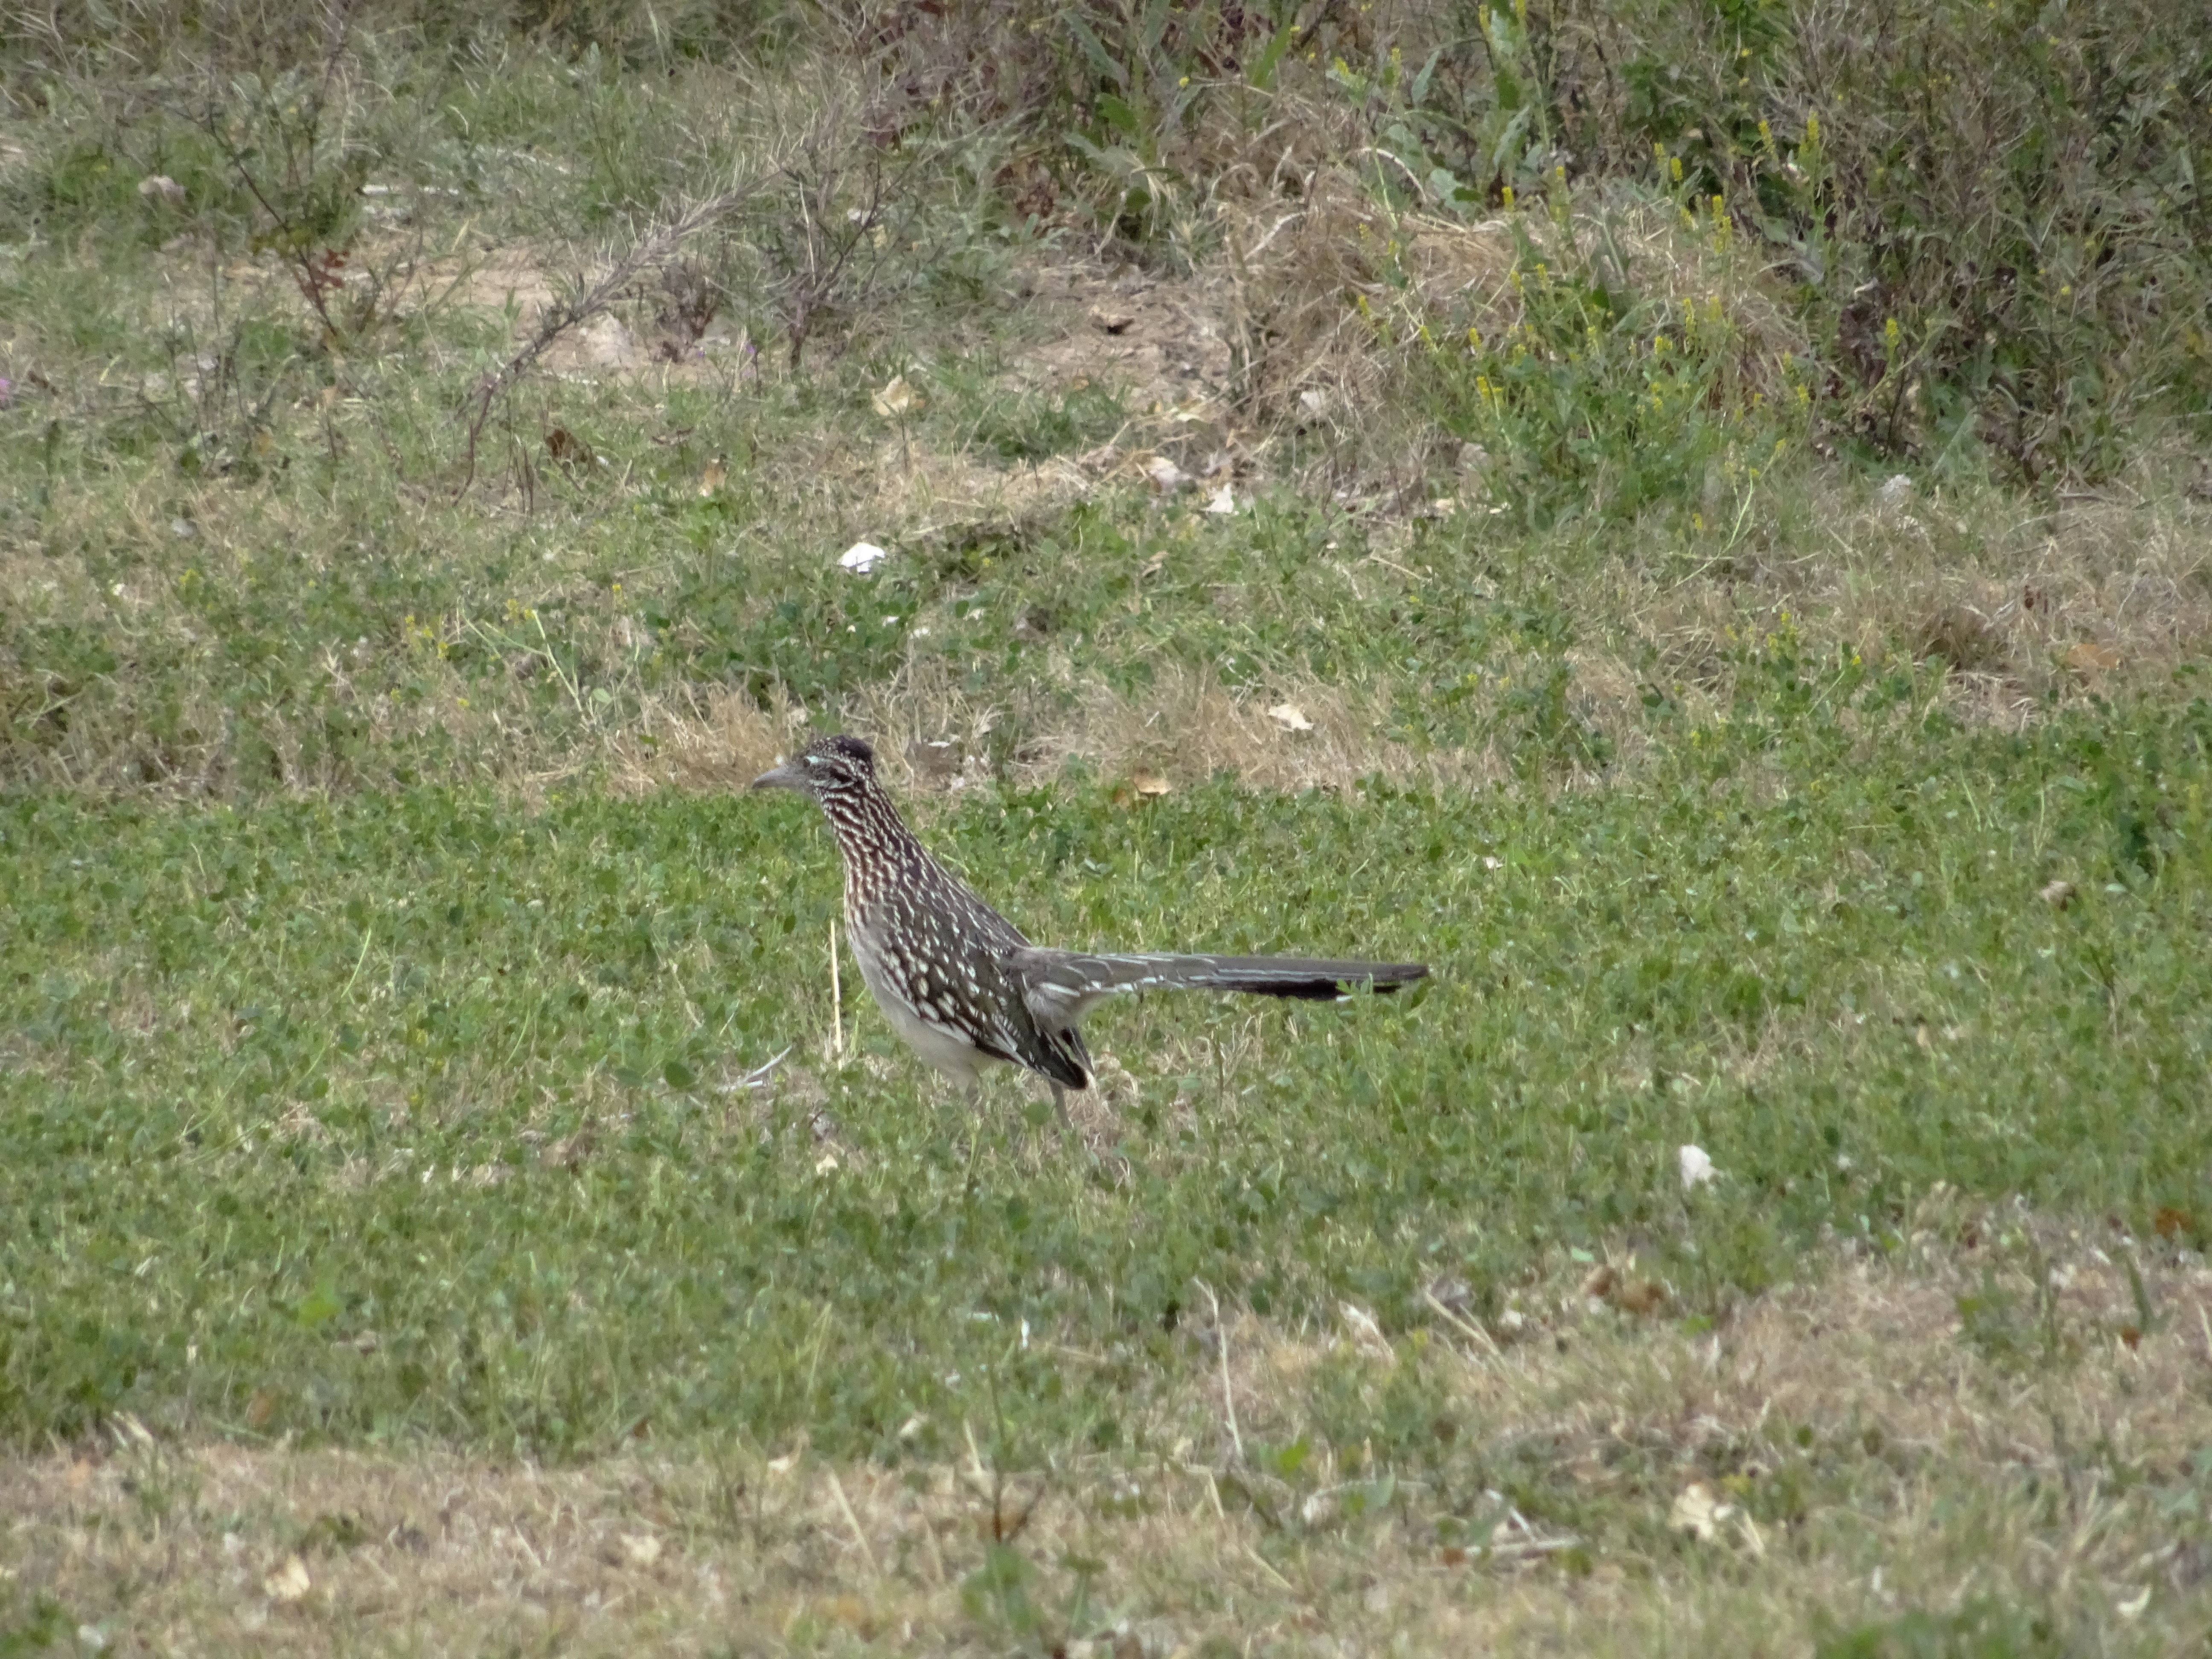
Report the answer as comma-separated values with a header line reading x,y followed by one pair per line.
x,y
449,1201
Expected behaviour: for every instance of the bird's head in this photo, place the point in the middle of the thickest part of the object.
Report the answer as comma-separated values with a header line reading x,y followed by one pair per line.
x,y
824,770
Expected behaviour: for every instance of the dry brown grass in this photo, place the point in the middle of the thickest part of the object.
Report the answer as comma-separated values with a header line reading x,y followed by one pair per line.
x,y
932,736
1929,1472
1299,734
2031,614
2029,609
714,739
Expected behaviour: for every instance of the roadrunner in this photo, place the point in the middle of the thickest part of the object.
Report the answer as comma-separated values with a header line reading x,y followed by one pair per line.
x,y
958,980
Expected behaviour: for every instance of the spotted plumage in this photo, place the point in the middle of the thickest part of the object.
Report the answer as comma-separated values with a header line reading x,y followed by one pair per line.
x,y
959,981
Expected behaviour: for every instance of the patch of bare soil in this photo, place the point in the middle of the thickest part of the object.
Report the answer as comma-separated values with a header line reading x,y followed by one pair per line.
x,y
1163,341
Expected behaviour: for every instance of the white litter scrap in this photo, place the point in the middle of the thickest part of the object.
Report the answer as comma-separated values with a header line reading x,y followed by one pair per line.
x,y
1289,717
861,557
1224,500
1697,1169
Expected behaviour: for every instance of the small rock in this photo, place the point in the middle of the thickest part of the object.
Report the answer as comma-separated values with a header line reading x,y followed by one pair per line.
x,y
608,344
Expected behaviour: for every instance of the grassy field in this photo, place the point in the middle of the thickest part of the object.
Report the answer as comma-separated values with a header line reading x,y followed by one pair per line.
x,y
446,1207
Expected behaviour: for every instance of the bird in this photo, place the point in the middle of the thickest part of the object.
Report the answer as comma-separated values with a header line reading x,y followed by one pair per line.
x,y
961,984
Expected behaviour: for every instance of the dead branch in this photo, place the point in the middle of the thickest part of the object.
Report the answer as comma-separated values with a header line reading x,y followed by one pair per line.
x,y
580,307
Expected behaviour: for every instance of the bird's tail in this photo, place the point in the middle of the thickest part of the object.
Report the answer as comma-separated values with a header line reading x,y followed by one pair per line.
x,y
1060,985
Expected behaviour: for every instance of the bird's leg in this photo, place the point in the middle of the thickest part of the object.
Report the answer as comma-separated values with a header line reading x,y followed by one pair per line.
x,y
971,1132
1060,1105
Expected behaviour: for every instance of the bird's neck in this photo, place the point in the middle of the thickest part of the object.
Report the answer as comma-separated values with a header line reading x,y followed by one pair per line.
x,y
878,848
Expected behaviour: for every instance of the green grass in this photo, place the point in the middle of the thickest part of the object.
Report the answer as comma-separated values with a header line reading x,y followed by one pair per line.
x,y
373,1032
284,1073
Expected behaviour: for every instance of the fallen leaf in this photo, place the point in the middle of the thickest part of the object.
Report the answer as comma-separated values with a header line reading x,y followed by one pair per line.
x,y
861,557
2170,1223
1110,321
163,185
1165,475
2059,895
713,477
2091,658
568,448
1150,785
1223,500
897,398
640,1549
1697,1169
260,1409
863,1620
289,1582
1366,1335
1640,1297
1289,717
1698,1512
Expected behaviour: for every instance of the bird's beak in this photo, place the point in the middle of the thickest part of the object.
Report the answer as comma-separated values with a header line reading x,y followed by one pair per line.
x,y
786,776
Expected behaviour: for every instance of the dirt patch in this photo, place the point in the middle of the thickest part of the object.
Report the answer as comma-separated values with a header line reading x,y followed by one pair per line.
x,y
1163,341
